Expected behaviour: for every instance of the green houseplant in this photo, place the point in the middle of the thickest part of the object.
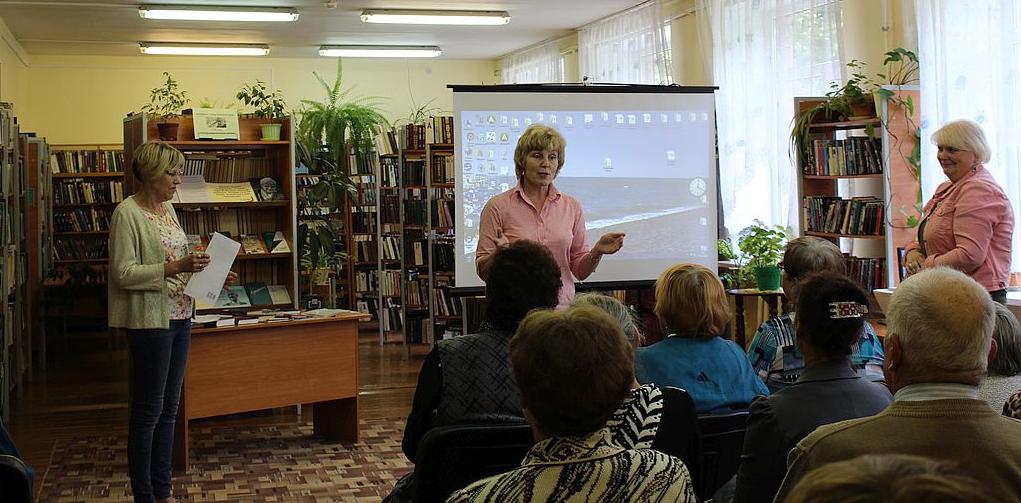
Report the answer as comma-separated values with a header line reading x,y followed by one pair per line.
x,y
738,275
165,104
319,233
764,245
851,100
265,104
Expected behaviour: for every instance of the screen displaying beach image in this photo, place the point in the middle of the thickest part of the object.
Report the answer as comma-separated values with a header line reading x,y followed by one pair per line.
x,y
649,174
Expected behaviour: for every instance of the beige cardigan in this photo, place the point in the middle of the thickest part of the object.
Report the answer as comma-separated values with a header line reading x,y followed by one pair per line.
x,y
137,288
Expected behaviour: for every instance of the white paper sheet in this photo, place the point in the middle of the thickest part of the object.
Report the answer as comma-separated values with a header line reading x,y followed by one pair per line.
x,y
206,285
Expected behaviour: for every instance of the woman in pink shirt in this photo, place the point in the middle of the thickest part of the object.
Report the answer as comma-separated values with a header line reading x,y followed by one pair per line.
x,y
968,223
535,210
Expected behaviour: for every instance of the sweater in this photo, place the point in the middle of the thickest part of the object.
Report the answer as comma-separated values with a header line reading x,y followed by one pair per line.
x,y
137,289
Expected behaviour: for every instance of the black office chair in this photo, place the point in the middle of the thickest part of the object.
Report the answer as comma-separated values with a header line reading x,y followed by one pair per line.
x,y
15,481
721,441
678,429
452,457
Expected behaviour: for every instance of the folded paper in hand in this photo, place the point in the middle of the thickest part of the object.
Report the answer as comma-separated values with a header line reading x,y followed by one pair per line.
x,y
205,286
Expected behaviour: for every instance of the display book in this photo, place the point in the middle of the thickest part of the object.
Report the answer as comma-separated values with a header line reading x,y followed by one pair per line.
x,y
13,273
226,188
842,192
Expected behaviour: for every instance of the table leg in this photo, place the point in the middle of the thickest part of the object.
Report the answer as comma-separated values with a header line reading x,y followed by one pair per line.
x,y
773,302
179,463
739,330
336,419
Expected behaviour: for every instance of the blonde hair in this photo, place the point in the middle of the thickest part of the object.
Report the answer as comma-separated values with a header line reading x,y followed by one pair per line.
x,y
153,159
615,308
690,299
538,137
964,135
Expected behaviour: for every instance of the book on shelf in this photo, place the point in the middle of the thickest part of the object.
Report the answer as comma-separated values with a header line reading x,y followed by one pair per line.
x,y
258,293
230,297
253,244
266,188
857,216
279,294
195,189
855,155
86,161
276,242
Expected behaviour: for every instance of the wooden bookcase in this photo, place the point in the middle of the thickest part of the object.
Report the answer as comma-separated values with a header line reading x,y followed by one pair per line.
x,y
843,195
225,161
39,236
415,225
445,312
14,315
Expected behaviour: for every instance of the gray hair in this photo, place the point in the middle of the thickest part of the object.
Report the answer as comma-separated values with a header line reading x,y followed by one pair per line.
x,y
964,135
944,322
151,160
1007,335
615,308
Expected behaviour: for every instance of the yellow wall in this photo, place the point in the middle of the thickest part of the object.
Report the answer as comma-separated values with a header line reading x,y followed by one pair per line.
x,y
78,99
13,71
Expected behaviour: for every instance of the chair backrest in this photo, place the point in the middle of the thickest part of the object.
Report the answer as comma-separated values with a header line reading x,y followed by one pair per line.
x,y
452,457
15,481
678,429
721,441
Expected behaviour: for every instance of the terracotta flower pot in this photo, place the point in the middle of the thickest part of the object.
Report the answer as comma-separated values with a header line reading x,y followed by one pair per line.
x,y
167,130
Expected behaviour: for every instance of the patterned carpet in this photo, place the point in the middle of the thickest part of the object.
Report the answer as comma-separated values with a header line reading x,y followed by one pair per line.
x,y
245,463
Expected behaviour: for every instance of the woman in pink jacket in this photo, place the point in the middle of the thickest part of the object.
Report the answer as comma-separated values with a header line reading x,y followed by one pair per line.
x,y
968,223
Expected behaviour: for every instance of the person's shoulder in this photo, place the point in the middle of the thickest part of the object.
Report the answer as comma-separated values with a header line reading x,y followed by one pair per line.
x,y
981,185
835,432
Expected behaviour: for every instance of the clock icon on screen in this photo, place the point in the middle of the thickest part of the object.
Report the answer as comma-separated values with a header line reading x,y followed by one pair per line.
x,y
697,187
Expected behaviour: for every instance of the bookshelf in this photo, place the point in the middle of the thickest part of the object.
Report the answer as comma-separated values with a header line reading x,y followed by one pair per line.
x,y
39,239
415,221
255,224
445,312
13,274
843,195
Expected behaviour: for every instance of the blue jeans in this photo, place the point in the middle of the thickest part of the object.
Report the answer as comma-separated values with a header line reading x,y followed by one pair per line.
x,y
158,359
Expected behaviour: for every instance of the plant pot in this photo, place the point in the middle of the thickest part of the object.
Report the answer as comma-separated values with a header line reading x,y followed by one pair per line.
x,y
767,277
320,276
864,109
167,130
271,131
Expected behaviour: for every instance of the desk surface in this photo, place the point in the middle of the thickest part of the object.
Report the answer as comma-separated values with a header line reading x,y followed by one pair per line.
x,y
289,323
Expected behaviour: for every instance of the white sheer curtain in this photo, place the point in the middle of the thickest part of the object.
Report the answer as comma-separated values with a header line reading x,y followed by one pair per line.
x,y
970,55
765,53
626,48
541,64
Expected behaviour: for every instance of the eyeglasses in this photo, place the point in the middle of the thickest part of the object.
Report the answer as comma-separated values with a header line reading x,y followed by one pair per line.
x,y
173,174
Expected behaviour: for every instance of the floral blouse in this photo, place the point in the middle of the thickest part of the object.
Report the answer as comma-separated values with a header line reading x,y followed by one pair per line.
x,y
175,244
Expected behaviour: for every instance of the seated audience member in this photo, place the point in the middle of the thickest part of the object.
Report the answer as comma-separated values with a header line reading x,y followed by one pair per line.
x,y
1004,375
831,310
635,423
774,351
889,478
692,307
467,379
939,339
1013,406
8,448
574,368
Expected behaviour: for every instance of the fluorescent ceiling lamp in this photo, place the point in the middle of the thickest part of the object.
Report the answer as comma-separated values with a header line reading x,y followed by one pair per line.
x,y
461,17
203,13
380,51
182,49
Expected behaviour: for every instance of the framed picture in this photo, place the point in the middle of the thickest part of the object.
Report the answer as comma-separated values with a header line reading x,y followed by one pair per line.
x,y
216,124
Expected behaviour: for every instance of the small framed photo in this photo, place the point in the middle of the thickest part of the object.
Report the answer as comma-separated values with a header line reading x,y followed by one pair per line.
x,y
216,124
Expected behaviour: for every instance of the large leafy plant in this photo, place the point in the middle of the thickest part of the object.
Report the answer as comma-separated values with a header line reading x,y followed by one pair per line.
x,y
319,233
264,103
166,100
762,244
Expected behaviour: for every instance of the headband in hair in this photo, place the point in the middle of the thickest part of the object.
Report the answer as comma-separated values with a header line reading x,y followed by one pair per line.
x,y
847,310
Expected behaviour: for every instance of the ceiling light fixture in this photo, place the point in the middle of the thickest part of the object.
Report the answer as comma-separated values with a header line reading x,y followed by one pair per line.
x,y
380,51
459,17
202,13
185,49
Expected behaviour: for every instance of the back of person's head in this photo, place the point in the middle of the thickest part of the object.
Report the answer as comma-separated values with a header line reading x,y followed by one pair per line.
x,y
153,158
888,478
1007,335
830,313
574,368
616,309
943,322
691,301
522,276
808,254
964,135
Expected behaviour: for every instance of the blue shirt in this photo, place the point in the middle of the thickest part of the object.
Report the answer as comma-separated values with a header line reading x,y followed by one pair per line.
x,y
715,372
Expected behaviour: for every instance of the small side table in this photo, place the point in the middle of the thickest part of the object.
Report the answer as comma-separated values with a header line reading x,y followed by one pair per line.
x,y
774,300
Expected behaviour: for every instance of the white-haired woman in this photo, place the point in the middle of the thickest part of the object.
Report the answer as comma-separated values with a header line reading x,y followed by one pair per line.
x,y
968,223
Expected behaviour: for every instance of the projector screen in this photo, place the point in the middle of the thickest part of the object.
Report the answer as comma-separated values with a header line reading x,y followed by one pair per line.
x,y
640,160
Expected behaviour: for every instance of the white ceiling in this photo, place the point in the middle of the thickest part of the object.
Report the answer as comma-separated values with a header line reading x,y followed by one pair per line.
x,y
114,28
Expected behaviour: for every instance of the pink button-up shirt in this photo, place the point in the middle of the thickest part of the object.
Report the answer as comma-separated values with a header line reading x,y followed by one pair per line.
x,y
968,226
560,227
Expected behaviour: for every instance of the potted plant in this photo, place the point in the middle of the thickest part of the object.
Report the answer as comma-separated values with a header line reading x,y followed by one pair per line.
x,y
165,104
267,105
764,245
852,100
319,233
736,276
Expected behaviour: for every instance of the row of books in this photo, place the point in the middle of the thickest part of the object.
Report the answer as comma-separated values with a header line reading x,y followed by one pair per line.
x,y
250,294
364,249
392,316
227,221
390,284
868,271
390,208
443,253
87,161
389,169
443,213
414,250
391,246
416,329
415,210
445,305
417,292
856,155
362,164
366,280
442,168
857,216
413,172
82,220
363,219
79,249
228,166
80,192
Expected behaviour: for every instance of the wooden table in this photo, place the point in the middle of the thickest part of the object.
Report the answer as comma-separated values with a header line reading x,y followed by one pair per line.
x,y
773,298
268,365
